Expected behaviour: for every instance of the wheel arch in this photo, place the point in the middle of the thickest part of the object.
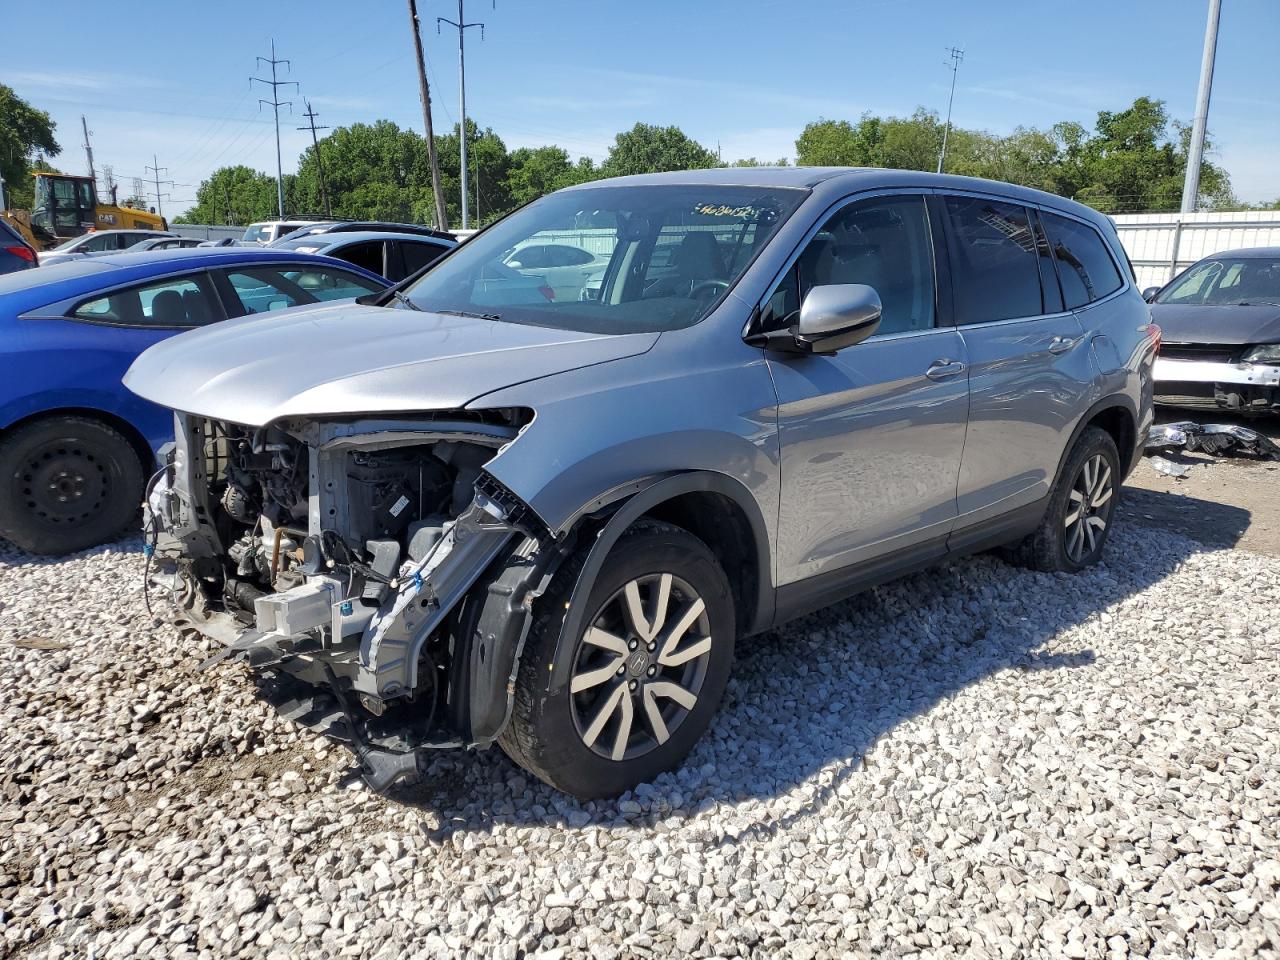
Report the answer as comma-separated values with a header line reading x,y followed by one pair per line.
x,y
1116,415
137,441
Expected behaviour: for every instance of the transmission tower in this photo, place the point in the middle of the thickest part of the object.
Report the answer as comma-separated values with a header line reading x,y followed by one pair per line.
x,y
462,26
275,103
156,169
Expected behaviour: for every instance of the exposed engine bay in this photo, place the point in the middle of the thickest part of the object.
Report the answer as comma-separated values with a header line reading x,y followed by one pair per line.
x,y
359,558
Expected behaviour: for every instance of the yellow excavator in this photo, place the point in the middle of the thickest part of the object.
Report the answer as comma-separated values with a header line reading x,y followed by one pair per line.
x,y
67,206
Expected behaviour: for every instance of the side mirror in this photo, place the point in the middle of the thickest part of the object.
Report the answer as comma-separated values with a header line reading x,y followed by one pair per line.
x,y
1149,294
837,315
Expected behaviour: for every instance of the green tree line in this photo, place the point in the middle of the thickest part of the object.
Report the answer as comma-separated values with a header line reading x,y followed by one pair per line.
x,y
1131,160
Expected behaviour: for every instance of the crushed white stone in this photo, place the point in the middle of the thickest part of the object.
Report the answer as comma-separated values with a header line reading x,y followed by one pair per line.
x,y
974,761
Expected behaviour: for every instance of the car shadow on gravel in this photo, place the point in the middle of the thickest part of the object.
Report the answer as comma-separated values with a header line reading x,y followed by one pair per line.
x,y
808,702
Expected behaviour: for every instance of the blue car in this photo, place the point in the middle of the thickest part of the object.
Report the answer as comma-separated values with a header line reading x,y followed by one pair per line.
x,y
15,253
76,447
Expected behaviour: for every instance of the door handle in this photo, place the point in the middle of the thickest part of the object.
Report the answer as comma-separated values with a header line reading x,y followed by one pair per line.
x,y
1061,344
944,369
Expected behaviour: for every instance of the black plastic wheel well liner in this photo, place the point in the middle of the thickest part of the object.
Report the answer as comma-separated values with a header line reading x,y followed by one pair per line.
x,y
146,456
1116,415
665,499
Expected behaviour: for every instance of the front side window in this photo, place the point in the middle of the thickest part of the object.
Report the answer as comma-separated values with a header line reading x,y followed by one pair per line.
x,y
884,243
100,242
1228,281
1085,268
263,289
367,255
994,269
661,257
173,302
257,233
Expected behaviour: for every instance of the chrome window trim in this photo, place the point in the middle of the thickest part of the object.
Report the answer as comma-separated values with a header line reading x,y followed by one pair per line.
x,y
819,221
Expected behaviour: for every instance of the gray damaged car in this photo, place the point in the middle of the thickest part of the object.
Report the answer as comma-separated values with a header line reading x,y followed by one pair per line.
x,y
482,508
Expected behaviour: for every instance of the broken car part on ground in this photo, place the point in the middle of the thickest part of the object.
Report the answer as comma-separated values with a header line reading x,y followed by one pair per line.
x,y
1215,439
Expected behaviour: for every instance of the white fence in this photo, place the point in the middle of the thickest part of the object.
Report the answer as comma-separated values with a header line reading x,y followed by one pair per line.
x,y
206,232
1161,244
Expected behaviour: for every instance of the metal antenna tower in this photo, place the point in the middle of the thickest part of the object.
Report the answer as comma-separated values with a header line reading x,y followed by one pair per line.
x,y
462,26
154,167
275,104
957,58
315,142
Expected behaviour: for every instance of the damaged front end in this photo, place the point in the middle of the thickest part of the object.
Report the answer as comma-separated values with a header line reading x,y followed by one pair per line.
x,y
372,569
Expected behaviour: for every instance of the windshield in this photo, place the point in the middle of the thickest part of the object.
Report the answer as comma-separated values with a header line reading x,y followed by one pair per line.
x,y
1235,280
610,259
257,233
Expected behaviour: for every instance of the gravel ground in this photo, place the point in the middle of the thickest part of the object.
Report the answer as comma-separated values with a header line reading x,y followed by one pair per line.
x,y
975,761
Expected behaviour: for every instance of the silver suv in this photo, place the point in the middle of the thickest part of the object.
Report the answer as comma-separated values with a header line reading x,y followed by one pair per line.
x,y
484,507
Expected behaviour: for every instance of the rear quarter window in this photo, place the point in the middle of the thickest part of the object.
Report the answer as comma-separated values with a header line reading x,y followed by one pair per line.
x,y
1086,269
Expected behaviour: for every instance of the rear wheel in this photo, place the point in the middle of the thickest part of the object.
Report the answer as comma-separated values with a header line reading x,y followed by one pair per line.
x,y
644,676
66,484
1077,522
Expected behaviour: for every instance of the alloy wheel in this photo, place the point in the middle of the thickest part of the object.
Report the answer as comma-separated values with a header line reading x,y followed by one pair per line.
x,y
640,666
1089,508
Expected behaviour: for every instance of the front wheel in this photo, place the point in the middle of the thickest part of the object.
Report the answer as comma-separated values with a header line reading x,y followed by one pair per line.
x,y
642,679
1077,521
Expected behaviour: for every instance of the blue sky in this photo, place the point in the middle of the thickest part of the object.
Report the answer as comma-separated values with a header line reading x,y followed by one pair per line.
x,y
171,78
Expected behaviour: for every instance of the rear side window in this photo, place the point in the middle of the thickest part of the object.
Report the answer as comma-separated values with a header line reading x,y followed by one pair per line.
x,y
173,302
1085,268
993,261
418,255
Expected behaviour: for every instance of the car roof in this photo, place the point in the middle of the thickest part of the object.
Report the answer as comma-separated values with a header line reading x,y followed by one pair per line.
x,y
847,179
327,240
51,284
149,233
1247,253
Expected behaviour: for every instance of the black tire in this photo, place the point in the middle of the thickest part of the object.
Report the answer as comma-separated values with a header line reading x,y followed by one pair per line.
x,y
545,734
1052,546
67,483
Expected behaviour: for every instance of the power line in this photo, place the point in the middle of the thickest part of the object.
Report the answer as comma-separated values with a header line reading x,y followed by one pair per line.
x,y
957,58
275,103
156,169
315,142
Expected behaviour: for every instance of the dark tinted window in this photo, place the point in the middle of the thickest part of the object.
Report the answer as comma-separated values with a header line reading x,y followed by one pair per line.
x,y
367,255
1086,269
993,264
418,255
885,244
1048,275
173,302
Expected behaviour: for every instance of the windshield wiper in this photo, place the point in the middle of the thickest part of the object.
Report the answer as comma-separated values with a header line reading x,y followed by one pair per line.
x,y
474,316
401,298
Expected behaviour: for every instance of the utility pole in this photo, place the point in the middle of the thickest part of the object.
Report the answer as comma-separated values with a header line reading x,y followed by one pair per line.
x,y
226,191
156,169
275,104
957,58
424,94
1195,154
324,194
88,150
461,26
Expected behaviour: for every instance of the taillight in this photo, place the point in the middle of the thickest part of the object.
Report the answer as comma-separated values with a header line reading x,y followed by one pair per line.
x,y
547,292
22,252
1156,334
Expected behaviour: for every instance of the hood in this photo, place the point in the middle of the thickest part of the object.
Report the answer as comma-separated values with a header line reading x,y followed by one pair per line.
x,y
353,359
1217,324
